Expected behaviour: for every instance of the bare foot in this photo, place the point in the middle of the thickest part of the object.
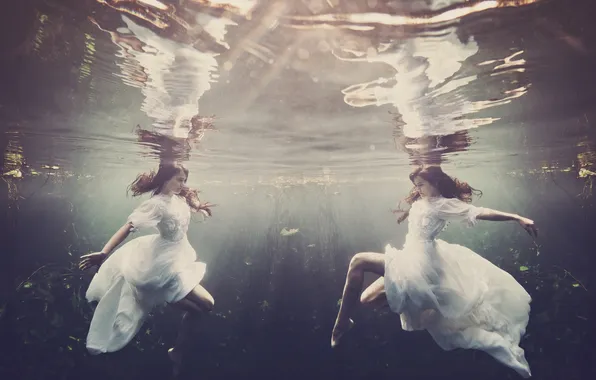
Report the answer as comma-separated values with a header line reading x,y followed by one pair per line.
x,y
176,358
339,331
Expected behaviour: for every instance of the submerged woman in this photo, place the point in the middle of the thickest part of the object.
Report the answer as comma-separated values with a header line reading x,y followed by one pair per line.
x,y
460,298
149,270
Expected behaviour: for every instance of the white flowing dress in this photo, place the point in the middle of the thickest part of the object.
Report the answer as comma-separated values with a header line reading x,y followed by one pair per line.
x,y
479,305
145,272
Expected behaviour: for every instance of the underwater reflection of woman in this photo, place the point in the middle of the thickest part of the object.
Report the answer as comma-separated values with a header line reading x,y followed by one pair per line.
x,y
460,298
149,270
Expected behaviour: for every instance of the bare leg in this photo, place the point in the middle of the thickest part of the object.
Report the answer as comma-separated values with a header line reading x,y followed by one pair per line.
x,y
195,304
360,263
375,295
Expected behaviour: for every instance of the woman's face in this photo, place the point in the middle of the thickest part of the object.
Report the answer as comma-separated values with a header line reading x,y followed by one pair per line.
x,y
425,189
175,184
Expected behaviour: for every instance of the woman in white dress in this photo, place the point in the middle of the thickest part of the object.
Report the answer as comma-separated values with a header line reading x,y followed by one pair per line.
x,y
149,270
460,298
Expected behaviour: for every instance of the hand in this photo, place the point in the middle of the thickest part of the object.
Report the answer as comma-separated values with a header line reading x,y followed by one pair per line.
x,y
91,260
528,225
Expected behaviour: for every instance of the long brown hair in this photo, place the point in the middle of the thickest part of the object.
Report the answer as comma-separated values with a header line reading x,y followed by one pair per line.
x,y
154,181
448,187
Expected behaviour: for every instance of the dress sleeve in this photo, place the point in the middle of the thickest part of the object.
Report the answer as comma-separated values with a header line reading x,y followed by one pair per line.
x,y
453,209
146,215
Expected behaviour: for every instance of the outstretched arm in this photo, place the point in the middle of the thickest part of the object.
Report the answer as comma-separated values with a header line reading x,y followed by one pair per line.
x,y
92,259
117,238
499,216
148,214
496,216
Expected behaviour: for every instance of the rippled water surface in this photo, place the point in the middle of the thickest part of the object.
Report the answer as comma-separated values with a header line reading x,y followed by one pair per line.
x,y
284,88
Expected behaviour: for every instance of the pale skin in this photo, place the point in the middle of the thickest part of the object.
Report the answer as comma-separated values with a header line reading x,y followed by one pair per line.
x,y
198,302
375,263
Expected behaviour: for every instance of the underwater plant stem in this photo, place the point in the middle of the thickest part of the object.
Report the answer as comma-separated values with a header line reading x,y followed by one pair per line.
x,y
32,274
572,276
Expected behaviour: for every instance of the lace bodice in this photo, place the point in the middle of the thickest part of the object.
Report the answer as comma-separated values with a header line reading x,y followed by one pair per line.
x,y
170,215
429,216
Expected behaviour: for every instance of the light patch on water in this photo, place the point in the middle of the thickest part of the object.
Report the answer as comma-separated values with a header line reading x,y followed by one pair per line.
x,y
154,3
421,65
176,76
242,7
442,16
